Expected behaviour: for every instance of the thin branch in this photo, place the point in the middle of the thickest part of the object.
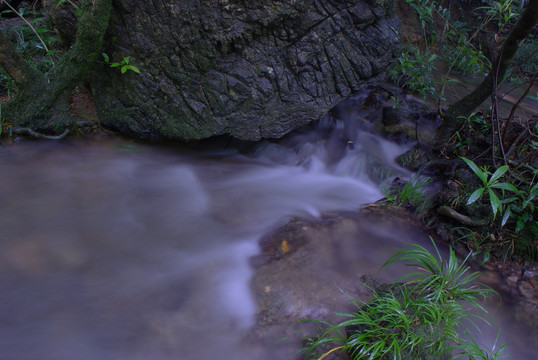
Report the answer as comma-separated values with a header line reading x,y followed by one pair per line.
x,y
516,141
516,105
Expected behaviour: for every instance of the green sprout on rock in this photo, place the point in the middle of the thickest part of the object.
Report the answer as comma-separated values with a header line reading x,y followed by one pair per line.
x,y
123,65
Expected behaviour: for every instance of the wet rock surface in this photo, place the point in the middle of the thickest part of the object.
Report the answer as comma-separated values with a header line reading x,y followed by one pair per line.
x,y
519,287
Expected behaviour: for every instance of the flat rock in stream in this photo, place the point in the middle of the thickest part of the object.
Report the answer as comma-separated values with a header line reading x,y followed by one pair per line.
x,y
313,268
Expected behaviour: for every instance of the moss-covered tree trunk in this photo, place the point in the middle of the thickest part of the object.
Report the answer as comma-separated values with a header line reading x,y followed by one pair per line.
x,y
41,103
453,118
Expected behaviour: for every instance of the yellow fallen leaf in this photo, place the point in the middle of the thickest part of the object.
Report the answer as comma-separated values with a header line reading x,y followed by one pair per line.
x,y
284,246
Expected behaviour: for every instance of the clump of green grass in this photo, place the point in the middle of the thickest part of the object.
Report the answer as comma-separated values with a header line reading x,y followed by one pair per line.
x,y
411,194
413,71
419,319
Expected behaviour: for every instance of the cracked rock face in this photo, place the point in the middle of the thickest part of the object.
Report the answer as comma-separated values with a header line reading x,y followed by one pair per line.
x,y
251,69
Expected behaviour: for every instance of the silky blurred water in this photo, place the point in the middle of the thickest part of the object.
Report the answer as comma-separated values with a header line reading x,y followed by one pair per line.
x,y
119,250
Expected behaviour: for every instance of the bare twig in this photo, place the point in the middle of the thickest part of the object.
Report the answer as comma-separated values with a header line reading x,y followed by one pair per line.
x,y
516,141
514,108
495,114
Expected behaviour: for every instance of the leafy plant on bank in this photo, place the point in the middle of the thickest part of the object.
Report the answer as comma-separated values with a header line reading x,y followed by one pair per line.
x,y
413,71
522,207
477,242
410,194
502,11
515,204
421,318
454,43
489,183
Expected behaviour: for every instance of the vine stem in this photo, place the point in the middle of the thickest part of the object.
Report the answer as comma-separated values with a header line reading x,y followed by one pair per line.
x,y
33,29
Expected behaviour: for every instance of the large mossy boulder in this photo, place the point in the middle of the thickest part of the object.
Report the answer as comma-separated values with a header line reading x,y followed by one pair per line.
x,y
252,69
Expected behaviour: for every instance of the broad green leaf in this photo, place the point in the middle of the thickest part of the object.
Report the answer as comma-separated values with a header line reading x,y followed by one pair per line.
x,y
478,172
497,174
124,69
534,190
105,56
477,194
506,216
509,200
496,205
520,225
505,186
528,201
133,68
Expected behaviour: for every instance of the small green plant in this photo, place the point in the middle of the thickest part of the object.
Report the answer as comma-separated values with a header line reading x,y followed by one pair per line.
x,y
523,207
467,60
479,123
410,194
39,32
123,65
396,100
413,71
501,10
478,243
473,351
419,319
425,9
489,183
438,279
6,83
462,143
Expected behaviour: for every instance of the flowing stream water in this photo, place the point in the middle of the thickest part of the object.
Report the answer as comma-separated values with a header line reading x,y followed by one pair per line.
x,y
127,251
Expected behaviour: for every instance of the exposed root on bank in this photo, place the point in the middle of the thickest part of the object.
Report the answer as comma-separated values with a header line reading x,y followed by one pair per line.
x,y
34,134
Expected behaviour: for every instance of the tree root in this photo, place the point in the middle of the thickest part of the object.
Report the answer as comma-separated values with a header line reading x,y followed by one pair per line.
x,y
451,213
34,134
